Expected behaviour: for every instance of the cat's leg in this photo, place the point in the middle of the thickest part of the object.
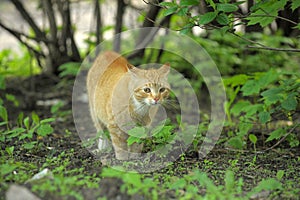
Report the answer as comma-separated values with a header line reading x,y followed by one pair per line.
x,y
119,142
103,141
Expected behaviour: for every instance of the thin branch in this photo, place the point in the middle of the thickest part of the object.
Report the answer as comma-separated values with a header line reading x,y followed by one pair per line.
x,y
261,46
279,17
273,49
282,139
24,35
18,36
19,6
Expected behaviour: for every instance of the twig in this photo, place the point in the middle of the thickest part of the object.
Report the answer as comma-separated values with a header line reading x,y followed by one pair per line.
x,y
273,49
282,139
21,9
18,36
264,47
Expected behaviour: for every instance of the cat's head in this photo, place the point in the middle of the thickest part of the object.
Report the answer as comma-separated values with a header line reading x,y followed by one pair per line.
x,y
150,87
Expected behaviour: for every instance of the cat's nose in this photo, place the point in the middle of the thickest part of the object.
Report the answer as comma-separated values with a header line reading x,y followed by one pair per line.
x,y
156,99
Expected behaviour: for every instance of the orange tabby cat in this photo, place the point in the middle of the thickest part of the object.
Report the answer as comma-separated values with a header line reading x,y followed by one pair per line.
x,y
122,96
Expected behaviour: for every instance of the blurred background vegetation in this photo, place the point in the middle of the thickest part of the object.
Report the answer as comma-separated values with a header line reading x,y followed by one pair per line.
x,y
234,33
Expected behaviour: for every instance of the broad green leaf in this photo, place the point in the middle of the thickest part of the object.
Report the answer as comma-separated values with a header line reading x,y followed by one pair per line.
x,y
26,123
264,117
244,128
161,131
138,132
276,134
29,145
236,142
16,132
253,109
7,168
3,123
267,78
207,18
170,11
20,119
290,103
12,99
238,108
253,138
256,6
224,29
44,130
236,80
295,4
268,184
266,12
272,95
186,29
168,4
35,118
3,113
189,2
293,140
132,139
179,184
69,68
222,19
183,11
226,7
251,87
10,150
48,120
211,3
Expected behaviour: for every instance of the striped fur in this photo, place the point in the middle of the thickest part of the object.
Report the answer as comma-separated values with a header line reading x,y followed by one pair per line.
x,y
120,94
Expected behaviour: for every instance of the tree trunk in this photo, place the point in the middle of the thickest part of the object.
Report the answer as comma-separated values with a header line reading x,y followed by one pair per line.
x,y
145,36
286,26
119,24
51,48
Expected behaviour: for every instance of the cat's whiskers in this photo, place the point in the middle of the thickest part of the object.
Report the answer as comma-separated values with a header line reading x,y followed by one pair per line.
x,y
171,104
140,107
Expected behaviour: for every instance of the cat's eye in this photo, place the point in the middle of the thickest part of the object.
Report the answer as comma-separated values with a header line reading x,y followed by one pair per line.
x,y
161,90
147,90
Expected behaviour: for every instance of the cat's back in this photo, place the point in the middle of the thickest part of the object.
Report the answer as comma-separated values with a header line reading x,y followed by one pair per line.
x,y
103,77
106,66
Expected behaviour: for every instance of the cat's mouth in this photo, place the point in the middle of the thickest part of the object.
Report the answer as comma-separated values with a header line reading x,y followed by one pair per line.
x,y
153,102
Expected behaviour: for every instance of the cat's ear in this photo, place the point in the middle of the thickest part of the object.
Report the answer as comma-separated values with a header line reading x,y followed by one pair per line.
x,y
133,71
165,69
130,66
